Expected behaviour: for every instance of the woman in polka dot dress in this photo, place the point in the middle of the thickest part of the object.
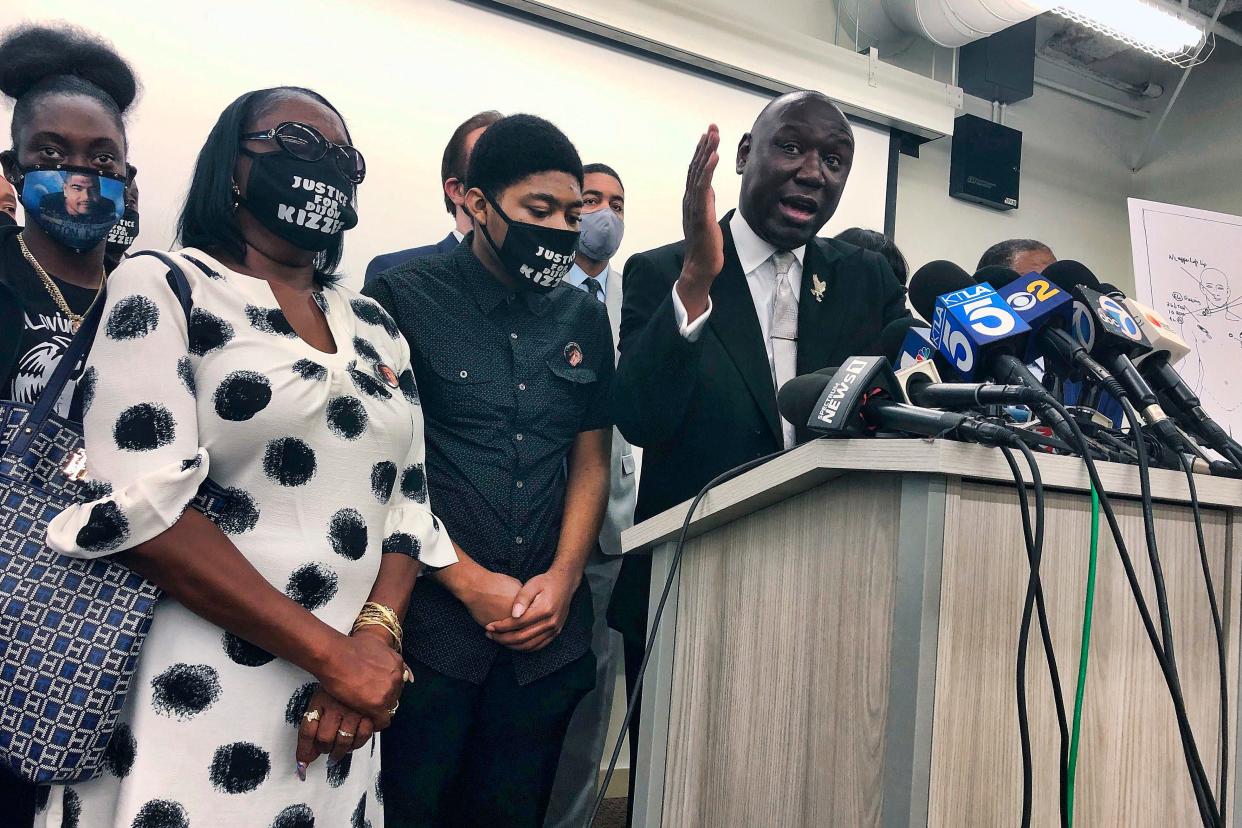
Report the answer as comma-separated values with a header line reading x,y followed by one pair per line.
x,y
294,396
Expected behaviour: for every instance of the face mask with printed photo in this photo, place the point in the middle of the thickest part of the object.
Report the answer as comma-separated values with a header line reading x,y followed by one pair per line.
x,y
537,257
306,203
75,206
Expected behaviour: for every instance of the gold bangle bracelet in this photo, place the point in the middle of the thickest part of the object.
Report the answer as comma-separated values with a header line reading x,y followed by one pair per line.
x,y
375,614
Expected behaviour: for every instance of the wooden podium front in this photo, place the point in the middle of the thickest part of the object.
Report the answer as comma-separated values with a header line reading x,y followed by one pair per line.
x,y
840,644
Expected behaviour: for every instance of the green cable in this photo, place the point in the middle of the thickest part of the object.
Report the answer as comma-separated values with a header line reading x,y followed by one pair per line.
x,y
1088,601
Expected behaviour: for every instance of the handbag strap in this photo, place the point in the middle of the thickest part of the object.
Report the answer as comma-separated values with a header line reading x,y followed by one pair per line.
x,y
81,344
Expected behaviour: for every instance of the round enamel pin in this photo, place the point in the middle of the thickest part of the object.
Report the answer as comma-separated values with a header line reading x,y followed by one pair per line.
x,y
573,354
386,374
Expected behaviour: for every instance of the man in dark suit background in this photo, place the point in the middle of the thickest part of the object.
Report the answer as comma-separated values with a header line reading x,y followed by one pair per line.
x,y
453,177
711,326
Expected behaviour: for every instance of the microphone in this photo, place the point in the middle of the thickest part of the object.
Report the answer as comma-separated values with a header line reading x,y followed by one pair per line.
x,y
1159,333
906,341
857,399
1167,349
936,286
999,276
1106,328
920,379
970,323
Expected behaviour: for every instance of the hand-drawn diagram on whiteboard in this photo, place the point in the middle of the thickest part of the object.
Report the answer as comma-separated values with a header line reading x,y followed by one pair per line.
x,y
1188,266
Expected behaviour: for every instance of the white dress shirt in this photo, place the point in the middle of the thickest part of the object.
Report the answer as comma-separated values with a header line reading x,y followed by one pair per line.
x,y
755,256
458,235
576,276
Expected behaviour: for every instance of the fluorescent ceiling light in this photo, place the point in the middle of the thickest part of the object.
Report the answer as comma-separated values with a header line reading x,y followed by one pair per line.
x,y
1135,22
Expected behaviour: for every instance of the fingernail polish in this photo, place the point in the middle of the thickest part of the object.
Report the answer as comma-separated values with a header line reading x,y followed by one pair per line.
x,y
300,770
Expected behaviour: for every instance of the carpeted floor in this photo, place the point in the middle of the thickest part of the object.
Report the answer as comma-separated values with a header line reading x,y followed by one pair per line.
x,y
611,814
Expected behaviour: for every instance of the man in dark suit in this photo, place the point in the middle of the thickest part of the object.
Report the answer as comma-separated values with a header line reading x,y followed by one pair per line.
x,y
711,326
453,175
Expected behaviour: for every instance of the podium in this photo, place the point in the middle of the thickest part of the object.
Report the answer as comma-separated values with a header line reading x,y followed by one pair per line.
x,y
840,643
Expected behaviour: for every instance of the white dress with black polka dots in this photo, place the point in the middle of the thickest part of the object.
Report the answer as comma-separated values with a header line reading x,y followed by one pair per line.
x,y
322,457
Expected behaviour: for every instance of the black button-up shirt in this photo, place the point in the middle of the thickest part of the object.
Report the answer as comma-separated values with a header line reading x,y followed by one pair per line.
x,y
507,381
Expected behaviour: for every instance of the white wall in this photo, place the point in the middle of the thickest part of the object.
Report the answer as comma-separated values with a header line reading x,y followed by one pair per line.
x,y
1197,158
404,73
1073,191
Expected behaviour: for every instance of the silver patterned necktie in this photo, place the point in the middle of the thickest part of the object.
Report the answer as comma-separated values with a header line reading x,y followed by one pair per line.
x,y
784,332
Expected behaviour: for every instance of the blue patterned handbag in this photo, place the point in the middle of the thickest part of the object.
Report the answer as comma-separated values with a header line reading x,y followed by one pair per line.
x,y
70,629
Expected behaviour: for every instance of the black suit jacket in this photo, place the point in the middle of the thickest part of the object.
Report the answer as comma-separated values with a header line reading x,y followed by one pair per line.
x,y
387,261
700,408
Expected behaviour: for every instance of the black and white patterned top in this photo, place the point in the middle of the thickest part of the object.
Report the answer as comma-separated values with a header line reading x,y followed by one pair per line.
x,y
508,381
310,447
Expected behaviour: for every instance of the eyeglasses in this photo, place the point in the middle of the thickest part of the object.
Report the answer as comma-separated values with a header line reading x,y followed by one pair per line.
x,y
307,143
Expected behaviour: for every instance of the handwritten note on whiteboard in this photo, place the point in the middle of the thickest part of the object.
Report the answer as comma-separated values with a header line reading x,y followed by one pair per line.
x,y
1188,266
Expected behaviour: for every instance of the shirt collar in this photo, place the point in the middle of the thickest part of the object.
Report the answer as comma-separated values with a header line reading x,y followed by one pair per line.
x,y
486,289
457,234
753,251
577,276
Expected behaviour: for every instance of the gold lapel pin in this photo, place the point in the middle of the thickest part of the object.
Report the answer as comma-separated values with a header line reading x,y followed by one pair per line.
x,y
818,286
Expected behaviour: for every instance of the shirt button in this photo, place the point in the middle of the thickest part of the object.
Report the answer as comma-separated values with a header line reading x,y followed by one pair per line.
x,y
518,540
463,375
519,484
521,386
518,437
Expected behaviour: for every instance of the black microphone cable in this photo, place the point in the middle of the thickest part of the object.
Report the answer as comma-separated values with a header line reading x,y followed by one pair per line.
x,y
1035,599
1203,790
1221,658
1203,799
724,477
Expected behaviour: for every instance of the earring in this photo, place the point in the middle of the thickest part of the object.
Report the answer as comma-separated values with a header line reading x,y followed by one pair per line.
x,y
236,195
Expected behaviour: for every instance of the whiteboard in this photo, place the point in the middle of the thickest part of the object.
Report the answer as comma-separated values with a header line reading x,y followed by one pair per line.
x,y
405,73
1188,266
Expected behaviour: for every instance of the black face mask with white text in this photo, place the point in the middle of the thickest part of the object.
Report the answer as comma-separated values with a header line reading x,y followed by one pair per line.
x,y
537,257
306,203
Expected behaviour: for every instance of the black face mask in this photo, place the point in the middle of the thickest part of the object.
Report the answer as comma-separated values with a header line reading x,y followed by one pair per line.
x,y
537,257
121,236
6,220
306,203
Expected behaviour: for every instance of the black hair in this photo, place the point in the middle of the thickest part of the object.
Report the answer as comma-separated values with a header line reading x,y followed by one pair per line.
x,y
602,168
1003,253
453,164
516,147
40,61
209,219
879,243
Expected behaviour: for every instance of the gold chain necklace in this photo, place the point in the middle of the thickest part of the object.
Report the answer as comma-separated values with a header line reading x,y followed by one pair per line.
x,y
75,320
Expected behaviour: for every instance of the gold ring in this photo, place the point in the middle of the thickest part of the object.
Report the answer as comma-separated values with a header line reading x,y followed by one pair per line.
x,y
311,715
344,734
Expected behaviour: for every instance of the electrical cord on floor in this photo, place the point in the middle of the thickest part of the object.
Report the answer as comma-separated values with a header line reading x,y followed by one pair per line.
x,y
1083,649
1207,811
659,614
1035,600
1221,657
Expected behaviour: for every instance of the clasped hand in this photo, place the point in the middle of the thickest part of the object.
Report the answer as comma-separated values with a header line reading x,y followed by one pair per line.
x,y
360,686
523,617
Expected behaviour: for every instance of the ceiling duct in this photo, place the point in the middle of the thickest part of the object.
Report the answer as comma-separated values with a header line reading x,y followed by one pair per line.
x,y
949,23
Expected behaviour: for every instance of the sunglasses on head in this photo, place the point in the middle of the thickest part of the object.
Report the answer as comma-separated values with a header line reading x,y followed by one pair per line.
x,y
307,143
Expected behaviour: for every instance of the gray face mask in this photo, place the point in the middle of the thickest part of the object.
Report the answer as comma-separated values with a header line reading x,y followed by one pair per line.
x,y
600,234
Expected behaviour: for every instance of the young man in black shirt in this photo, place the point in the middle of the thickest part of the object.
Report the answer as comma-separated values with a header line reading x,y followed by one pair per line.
x,y
514,371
